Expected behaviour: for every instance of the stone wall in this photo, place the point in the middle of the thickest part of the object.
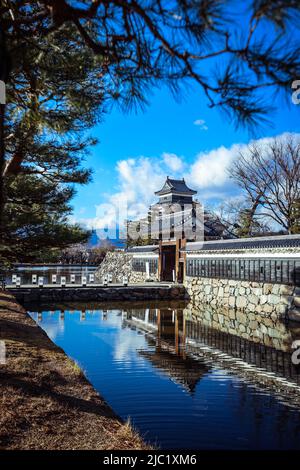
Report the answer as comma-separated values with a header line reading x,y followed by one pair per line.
x,y
269,300
119,264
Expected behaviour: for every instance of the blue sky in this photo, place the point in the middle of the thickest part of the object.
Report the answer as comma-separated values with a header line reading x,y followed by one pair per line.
x,y
187,139
130,145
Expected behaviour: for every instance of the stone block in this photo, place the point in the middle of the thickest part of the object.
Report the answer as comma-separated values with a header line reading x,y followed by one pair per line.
x,y
255,284
273,333
274,316
273,299
258,291
241,317
232,331
267,308
241,302
267,288
258,334
263,329
287,290
276,289
297,301
207,289
221,292
281,309
251,307
294,314
232,314
253,324
263,299
207,315
253,299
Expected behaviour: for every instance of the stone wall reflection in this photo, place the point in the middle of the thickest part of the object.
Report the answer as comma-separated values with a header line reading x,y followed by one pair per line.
x,y
273,332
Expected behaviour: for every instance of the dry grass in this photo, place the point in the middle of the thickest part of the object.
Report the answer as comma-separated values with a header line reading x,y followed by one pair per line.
x,y
46,401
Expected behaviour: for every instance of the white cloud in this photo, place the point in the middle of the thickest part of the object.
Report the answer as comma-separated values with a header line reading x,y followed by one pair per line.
x,y
202,124
210,168
138,179
173,162
177,17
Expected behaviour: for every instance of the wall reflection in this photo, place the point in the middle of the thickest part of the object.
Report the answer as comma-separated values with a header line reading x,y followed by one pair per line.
x,y
169,354
178,333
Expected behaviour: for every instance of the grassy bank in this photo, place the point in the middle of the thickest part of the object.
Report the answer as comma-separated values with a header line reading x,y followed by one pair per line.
x,y
46,402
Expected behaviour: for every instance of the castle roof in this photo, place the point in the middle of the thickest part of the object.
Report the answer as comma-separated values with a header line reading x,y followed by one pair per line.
x,y
175,186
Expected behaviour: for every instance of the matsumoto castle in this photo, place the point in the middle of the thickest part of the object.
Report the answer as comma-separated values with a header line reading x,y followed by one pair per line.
x,y
176,215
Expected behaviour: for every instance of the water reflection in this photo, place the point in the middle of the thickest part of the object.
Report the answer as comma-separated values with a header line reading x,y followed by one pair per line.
x,y
183,333
167,351
175,369
263,329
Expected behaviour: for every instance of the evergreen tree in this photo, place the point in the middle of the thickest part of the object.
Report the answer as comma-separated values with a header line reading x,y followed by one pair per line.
x,y
52,100
295,217
36,220
63,61
248,225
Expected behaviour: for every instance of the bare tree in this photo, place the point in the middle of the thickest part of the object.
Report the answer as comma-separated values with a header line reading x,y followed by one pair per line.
x,y
241,219
269,174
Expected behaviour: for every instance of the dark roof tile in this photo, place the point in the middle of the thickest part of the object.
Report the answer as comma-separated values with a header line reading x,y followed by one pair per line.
x,y
288,241
143,249
177,186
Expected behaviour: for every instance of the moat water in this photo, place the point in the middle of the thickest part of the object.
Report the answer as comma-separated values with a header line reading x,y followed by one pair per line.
x,y
182,384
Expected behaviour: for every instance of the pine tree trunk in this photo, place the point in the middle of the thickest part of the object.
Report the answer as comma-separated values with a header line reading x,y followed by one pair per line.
x,y
4,76
2,165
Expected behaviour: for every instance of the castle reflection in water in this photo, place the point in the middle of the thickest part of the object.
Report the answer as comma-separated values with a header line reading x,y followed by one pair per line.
x,y
185,343
182,336
225,380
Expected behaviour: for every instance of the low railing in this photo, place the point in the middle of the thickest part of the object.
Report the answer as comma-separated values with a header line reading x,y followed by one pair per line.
x,y
56,280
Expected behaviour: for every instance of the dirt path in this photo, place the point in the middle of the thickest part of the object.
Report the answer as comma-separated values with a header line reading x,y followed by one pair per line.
x,y
45,400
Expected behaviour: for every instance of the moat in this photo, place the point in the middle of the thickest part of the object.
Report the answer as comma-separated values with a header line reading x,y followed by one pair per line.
x,y
183,383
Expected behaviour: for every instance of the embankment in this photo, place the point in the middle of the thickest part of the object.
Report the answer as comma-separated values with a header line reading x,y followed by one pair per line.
x,y
46,401
109,293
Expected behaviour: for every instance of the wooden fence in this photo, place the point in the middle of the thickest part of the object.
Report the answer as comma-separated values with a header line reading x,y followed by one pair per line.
x,y
281,271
